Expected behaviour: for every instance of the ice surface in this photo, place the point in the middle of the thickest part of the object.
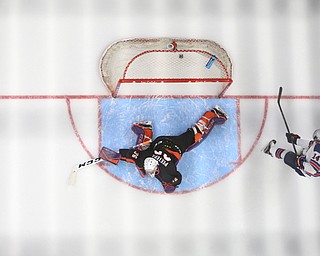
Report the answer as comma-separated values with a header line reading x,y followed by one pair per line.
x,y
212,160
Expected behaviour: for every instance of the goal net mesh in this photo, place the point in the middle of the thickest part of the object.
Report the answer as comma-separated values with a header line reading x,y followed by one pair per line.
x,y
166,61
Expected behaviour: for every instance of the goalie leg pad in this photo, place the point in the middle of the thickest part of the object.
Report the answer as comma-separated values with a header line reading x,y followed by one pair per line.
x,y
141,127
109,155
203,126
144,132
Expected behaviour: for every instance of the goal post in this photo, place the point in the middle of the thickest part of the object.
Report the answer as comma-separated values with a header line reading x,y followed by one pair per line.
x,y
162,66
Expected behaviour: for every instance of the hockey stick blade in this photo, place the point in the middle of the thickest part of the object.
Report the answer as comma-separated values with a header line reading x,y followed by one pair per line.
x,y
73,177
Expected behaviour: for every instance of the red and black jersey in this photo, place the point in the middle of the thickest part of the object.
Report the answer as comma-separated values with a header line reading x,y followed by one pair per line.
x,y
166,152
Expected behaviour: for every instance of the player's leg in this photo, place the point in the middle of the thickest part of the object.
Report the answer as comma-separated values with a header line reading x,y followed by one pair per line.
x,y
144,132
290,158
210,118
205,124
193,136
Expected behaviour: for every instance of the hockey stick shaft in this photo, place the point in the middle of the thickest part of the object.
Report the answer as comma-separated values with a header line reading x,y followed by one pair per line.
x,y
283,117
93,161
97,160
89,163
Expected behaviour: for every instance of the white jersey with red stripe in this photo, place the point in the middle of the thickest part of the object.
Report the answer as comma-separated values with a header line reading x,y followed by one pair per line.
x,y
310,157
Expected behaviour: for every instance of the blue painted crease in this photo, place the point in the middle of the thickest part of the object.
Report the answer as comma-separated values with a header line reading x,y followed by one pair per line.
x,y
213,159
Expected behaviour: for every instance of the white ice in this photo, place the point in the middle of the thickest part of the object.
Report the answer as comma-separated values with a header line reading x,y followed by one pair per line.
x,y
53,48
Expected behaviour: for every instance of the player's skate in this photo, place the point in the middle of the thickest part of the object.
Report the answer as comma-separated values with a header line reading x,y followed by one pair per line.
x,y
220,112
267,149
146,124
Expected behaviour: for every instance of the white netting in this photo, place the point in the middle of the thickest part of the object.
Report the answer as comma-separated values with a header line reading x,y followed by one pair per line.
x,y
149,60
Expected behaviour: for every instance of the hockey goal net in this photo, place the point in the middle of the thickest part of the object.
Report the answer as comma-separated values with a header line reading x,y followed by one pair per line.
x,y
166,66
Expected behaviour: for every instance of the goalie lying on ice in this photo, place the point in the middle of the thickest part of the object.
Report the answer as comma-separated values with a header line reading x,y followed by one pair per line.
x,y
159,158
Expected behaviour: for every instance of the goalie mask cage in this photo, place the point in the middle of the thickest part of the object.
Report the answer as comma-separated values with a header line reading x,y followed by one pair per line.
x,y
166,66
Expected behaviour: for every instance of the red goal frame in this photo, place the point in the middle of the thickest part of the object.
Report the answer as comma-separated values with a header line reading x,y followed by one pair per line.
x,y
159,46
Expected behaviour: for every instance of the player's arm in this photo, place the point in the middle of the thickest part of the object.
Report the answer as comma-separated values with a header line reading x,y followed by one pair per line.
x,y
303,143
296,139
168,188
170,179
133,156
128,155
109,155
292,138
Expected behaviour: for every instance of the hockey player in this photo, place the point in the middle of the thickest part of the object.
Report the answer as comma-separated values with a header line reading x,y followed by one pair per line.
x,y
306,164
159,158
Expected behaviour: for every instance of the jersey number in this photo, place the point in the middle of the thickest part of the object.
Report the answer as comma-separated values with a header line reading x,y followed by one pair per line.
x,y
135,155
316,157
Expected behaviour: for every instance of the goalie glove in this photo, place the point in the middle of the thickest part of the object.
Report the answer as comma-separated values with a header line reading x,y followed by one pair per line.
x,y
292,138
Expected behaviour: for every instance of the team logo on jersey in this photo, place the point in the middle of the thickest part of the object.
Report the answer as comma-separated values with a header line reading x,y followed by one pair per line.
x,y
161,157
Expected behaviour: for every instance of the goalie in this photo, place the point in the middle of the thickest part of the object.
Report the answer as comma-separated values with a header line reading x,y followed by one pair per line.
x,y
306,164
159,158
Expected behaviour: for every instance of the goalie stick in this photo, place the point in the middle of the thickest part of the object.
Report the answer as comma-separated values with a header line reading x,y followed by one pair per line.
x,y
73,175
283,117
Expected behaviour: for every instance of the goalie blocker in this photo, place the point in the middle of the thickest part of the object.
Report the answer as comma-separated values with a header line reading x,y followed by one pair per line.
x,y
160,158
109,155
